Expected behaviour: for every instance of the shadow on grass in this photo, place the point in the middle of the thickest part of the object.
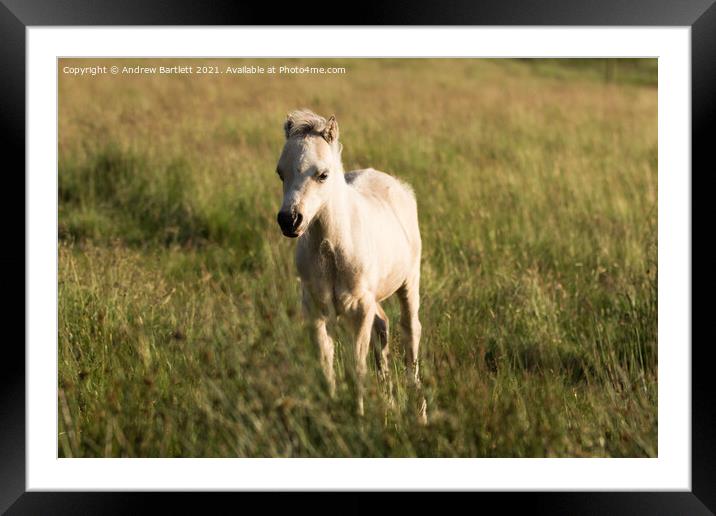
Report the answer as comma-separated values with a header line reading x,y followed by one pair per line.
x,y
118,194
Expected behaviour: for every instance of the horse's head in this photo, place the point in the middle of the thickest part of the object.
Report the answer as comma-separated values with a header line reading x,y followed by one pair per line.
x,y
310,168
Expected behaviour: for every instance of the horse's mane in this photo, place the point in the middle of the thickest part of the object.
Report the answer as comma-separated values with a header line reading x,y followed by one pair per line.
x,y
303,122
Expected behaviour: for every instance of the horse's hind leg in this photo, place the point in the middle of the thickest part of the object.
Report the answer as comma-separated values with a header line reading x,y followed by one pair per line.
x,y
363,318
409,295
380,341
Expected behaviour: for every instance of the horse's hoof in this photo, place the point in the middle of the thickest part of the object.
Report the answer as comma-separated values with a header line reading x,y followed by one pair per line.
x,y
423,413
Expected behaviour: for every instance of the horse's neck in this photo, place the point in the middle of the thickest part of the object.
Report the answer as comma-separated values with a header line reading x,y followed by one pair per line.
x,y
334,221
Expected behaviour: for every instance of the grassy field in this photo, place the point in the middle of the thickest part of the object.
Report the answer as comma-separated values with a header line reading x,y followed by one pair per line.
x,y
179,316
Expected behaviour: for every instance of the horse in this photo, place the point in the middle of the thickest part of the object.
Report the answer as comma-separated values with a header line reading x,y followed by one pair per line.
x,y
358,244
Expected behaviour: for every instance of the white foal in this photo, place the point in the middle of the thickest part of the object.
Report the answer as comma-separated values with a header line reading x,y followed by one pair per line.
x,y
358,244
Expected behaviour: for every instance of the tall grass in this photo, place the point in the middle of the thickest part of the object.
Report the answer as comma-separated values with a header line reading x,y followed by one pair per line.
x,y
179,316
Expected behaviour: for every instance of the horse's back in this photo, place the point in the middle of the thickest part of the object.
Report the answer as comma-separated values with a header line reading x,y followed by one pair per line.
x,y
384,190
374,183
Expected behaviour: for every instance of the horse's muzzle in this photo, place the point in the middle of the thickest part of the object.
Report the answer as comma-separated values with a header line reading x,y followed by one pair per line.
x,y
289,221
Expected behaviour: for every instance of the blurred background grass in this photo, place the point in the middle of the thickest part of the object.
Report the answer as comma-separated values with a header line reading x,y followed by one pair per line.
x,y
179,317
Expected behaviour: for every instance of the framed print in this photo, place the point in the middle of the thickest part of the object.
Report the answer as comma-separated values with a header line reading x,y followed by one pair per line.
x,y
448,252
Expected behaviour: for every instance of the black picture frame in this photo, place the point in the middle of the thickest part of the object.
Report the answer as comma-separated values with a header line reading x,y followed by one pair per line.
x,y
17,15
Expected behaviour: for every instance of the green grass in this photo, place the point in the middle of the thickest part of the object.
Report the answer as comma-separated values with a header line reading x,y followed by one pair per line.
x,y
179,316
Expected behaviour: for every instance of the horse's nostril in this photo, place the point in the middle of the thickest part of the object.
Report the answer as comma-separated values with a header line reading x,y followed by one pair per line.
x,y
285,220
289,221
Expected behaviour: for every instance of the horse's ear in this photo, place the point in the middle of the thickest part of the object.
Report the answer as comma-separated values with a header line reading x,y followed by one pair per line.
x,y
330,133
287,125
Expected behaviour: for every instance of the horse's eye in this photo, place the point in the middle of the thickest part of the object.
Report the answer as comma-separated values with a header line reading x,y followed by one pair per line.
x,y
322,176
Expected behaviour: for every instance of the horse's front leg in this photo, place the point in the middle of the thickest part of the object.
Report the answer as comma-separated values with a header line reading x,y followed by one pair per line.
x,y
317,315
325,346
